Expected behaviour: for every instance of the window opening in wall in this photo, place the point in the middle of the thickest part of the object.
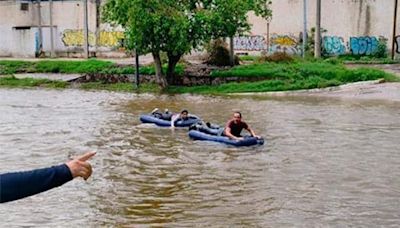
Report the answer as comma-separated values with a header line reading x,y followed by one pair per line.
x,y
24,6
22,27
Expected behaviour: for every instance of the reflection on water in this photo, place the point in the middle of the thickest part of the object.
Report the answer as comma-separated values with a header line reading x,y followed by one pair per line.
x,y
326,162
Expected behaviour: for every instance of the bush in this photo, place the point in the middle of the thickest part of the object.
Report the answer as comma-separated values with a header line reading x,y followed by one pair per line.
x,y
333,60
381,51
218,54
277,57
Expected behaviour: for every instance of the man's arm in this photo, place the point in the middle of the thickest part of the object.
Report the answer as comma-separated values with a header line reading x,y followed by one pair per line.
x,y
252,132
173,119
18,185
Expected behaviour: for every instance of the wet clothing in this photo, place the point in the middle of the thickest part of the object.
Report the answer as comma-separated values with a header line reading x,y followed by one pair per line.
x,y
236,128
18,185
163,116
207,128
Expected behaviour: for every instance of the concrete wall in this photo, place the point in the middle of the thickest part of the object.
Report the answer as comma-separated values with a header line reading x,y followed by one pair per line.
x,y
352,26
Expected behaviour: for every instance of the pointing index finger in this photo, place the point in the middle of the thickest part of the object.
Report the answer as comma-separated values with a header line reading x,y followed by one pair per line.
x,y
86,156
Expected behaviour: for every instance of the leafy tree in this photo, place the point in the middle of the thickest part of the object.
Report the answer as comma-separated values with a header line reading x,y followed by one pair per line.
x,y
178,26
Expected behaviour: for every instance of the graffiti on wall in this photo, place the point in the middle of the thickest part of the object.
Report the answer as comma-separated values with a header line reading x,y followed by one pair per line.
x,y
250,43
73,38
333,45
279,43
284,43
397,40
364,45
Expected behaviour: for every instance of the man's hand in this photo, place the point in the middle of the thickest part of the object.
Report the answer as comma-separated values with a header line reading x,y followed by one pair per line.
x,y
79,166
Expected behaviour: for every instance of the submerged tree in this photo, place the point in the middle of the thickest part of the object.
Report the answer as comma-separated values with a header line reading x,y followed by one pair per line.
x,y
178,26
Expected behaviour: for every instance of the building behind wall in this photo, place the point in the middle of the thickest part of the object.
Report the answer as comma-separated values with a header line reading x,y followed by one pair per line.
x,y
353,26
19,29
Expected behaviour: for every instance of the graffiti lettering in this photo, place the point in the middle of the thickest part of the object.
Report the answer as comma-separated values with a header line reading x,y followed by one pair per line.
x,y
397,40
285,44
333,45
365,45
106,38
284,41
249,43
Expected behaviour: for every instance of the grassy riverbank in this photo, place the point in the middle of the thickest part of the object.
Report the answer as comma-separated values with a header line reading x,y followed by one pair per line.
x,y
12,82
8,67
296,75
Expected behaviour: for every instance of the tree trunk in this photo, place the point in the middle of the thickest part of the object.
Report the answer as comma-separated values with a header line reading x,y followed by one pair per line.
x,y
160,78
231,52
172,61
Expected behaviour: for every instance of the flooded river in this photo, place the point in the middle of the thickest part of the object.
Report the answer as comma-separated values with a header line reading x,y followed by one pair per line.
x,y
325,163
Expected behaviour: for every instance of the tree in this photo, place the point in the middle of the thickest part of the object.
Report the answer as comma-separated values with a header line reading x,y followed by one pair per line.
x,y
178,26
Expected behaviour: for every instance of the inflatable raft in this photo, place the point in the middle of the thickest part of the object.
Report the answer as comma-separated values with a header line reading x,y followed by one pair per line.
x,y
211,136
167,123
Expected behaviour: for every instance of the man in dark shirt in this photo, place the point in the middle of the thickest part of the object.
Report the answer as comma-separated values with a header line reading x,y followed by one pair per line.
x,y
235,126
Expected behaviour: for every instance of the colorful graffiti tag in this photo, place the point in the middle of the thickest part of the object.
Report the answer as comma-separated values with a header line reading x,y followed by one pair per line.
x,y
284,43
397,40
73,38
333,45
364,45
249,43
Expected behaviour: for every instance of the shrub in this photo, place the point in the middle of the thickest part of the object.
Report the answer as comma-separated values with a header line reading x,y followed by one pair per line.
x,y
381,51
218,53
277,57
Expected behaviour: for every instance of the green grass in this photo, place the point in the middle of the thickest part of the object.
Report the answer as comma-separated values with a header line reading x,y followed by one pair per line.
x,y
283,77
249,57
300,74
75,67
359,59
12,82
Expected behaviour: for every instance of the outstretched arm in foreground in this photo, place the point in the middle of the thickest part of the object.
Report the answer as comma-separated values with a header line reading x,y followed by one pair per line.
x,y
18,185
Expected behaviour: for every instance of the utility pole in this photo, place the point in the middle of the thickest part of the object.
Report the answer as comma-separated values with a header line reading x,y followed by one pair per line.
x,y
394,27
85,30
317,47
98,12
52,54
267,37
304,27
40,41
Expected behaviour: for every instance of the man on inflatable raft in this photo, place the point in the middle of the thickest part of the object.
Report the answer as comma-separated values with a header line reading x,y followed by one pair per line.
x,y
168,119
231,134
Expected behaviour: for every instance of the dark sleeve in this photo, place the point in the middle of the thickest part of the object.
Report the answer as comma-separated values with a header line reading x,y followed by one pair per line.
x,y
18,185
245,126
229,124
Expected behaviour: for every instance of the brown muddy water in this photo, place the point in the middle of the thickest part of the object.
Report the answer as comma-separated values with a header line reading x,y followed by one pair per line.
x,y
325,162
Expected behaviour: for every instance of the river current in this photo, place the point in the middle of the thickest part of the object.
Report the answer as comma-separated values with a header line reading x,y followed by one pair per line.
x,y
326,162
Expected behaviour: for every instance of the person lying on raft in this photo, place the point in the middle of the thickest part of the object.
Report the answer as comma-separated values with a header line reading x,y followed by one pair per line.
x,y
234,127
167,115
183,115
